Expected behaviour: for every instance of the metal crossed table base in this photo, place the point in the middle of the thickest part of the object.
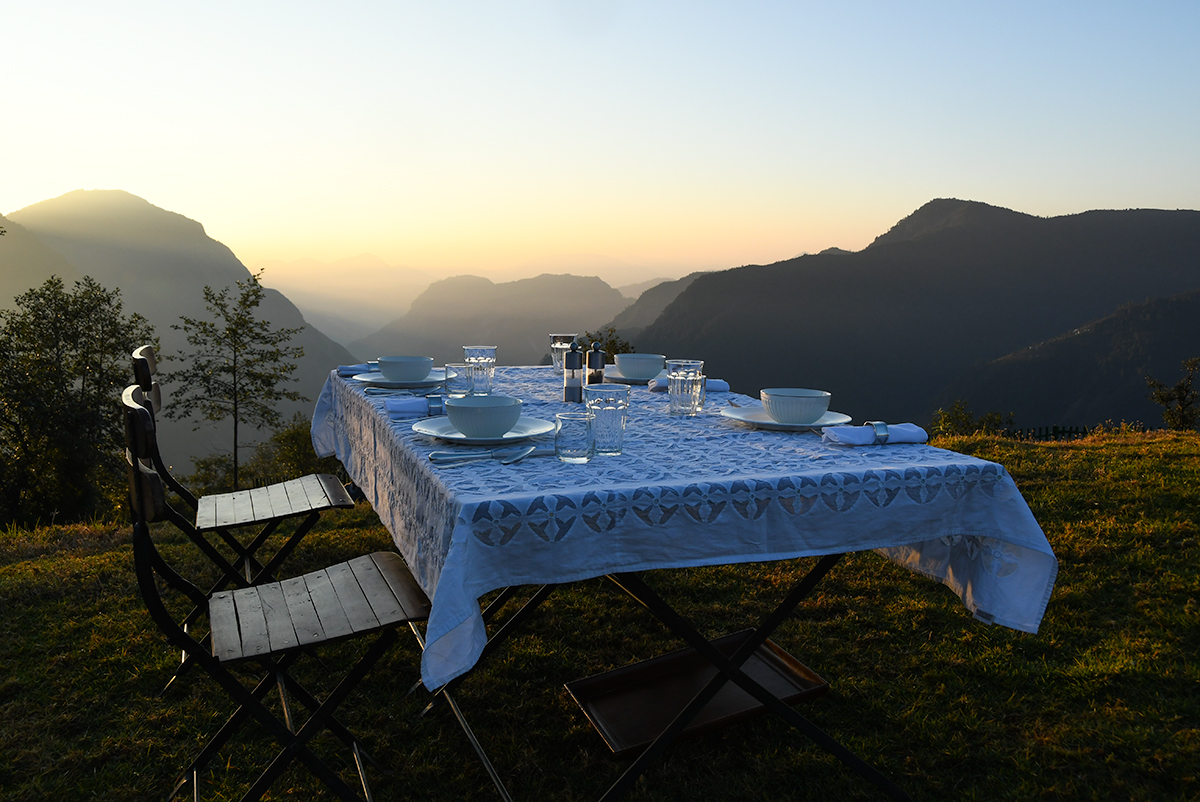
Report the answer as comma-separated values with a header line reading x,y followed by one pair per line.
x,y
729,669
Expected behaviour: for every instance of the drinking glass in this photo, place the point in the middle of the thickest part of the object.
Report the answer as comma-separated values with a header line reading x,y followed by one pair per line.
x,y
686,391
559,345
573,441
482,361
609,406
458,379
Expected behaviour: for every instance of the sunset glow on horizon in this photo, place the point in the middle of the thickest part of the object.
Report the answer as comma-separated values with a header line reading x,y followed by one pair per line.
x,y
505,139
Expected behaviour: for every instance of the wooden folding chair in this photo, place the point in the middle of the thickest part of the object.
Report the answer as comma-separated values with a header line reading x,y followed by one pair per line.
x,y
270,624
306,497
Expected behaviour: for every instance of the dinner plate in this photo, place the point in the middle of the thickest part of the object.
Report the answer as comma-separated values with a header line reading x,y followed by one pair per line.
x,y
757,416
611,374
442,429
435,377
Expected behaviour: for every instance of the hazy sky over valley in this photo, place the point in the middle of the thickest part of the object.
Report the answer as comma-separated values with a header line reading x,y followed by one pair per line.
x,y
504,138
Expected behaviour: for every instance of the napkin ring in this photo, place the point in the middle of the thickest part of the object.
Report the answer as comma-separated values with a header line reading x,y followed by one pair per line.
x,y
881,431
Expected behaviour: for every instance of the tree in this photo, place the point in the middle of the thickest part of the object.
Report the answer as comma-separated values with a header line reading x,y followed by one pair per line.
x,y
611,343
958,420
1179,402
236,366
64,358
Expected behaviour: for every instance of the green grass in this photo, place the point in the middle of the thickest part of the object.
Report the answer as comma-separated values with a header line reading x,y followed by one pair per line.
x,y
1103,703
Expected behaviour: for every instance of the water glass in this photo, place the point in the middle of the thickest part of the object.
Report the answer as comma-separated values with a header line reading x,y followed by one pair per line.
x,y
685,366
609,406
573,440
686,391
482,362
458,379
559,345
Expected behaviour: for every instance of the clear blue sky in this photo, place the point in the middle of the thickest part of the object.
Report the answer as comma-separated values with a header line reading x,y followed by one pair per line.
x,y
492,136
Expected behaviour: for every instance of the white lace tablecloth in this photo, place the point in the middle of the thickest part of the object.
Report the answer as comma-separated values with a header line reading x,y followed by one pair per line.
x,y
686,491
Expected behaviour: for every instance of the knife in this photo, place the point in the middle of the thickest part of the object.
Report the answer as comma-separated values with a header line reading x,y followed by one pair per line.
x,y
453,457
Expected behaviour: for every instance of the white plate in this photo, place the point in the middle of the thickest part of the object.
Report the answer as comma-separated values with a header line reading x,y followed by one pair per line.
x,y
441,428
611,374
757,416
435,377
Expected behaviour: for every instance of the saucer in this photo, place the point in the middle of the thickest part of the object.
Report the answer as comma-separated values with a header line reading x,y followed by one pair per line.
x,y
442,429
758,417
435,377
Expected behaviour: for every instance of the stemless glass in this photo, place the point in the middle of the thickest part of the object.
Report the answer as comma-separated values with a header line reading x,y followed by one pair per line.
x,y
482,360
685,386
609,407
559,345
573,439
458,379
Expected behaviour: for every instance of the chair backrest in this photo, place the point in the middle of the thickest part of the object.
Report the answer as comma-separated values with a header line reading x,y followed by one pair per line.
x,y
145,367
150,400
145,475
147,504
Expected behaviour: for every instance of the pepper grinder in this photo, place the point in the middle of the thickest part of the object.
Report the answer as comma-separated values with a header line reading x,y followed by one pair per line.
x,y
595,365
573,375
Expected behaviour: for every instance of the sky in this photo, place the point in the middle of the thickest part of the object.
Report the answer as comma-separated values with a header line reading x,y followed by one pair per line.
x,y
655,138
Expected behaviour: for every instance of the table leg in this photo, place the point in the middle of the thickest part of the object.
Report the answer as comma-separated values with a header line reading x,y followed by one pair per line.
x,y
730,669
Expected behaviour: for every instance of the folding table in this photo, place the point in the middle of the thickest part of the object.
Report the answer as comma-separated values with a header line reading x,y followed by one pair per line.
x,y
687,491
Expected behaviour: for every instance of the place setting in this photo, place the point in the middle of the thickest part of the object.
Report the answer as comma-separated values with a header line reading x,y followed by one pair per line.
x,y
789,409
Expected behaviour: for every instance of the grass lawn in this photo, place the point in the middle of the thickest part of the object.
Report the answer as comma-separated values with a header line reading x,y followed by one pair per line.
x,y
1103,703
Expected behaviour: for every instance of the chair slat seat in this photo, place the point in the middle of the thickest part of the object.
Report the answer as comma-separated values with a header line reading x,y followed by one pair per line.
x,y
366,594
313,493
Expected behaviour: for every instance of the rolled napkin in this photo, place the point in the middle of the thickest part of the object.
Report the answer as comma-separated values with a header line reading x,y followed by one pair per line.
x,y
874,433
345,371
659,385
399,408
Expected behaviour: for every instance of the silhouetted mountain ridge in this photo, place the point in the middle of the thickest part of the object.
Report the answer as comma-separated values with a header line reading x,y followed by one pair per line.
x,y
886,329
1094,373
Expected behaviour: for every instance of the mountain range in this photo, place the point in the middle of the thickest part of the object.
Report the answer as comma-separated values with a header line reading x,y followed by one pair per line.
x,y
1057,320
514,316
894,329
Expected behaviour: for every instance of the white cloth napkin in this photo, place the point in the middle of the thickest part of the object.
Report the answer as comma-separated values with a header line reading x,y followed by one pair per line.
x,y
659,385
345,371
865,435
399,408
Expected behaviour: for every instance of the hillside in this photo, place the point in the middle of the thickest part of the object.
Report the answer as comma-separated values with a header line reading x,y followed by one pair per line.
x,y
26,263
1092,374
888,328
161,261
515,316
649,305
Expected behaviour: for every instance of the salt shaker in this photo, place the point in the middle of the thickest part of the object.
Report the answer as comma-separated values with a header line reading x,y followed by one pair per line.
x,y
573,375
595,365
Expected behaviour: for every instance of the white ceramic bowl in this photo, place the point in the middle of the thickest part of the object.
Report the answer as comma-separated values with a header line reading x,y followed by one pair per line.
x,y
483,415
405,368
794,404
640,366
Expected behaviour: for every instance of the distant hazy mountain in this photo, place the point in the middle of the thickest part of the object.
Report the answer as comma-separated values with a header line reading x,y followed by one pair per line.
x,y
886,329
634,291
347,299
1092,374
649,305
515,316
26,263
161,262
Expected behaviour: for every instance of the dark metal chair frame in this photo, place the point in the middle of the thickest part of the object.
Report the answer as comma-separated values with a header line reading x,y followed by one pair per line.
x,y
148,505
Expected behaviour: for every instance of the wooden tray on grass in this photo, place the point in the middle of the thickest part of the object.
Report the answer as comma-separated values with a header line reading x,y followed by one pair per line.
x,y
631,705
